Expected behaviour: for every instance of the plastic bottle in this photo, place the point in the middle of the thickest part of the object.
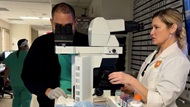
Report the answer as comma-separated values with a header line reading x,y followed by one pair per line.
x,y
117,97
136,102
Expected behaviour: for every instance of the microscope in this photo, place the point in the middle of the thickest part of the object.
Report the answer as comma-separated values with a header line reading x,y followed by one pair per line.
x,y
91,65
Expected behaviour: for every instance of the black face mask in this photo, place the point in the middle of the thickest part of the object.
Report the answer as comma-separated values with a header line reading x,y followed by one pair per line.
x,y
63,35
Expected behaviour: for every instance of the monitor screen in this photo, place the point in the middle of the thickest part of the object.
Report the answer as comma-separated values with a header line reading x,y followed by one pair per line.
x,y
187,20
4,55
7,54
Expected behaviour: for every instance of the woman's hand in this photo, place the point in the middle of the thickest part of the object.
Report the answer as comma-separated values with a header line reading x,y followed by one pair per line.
x,y
131,84
119,78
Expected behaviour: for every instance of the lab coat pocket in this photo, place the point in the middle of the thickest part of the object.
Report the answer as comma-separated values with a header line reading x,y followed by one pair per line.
x,y
153,77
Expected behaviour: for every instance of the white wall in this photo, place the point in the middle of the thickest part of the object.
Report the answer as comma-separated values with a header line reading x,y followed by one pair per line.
x,y
34,34
117,9
111,9
79,11
18,32
95,8
4,24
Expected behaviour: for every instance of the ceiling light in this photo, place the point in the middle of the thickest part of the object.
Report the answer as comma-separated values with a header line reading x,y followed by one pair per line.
x,y
45,18
29,17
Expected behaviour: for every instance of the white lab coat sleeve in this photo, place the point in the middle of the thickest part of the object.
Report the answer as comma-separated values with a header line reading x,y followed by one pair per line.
x,y
171,82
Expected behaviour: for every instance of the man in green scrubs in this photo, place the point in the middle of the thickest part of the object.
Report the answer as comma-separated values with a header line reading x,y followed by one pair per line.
x,y
14,64
65,77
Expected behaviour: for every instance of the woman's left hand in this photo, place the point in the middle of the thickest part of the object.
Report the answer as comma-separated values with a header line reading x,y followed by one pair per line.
x,y
119,78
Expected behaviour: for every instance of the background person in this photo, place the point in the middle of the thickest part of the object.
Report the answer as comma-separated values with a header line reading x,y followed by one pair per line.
x,y
43,69
162,77
14,64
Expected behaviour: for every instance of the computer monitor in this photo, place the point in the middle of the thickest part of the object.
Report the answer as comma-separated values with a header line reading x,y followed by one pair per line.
x,y
4,55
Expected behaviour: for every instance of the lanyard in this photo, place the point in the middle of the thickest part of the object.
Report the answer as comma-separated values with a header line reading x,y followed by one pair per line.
x,y
148,64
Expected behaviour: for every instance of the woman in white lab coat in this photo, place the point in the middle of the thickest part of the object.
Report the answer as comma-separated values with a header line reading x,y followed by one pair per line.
x,y
162,77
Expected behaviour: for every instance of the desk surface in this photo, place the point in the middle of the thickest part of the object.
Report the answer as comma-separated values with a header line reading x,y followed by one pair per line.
x,y
112,103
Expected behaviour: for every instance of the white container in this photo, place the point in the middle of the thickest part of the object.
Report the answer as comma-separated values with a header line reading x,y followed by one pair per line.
x,y
135,103
118,99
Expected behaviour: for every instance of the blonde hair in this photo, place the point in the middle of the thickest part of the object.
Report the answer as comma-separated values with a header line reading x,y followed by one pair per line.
x,y
171,16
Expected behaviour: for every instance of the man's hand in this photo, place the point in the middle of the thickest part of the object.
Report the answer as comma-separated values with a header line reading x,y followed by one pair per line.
x,y
55,93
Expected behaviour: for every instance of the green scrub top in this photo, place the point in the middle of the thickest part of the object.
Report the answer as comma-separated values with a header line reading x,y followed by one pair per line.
x,y
65,78
15,66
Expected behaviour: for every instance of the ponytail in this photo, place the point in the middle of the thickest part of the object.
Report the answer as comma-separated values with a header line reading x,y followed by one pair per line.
x,y
182,40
